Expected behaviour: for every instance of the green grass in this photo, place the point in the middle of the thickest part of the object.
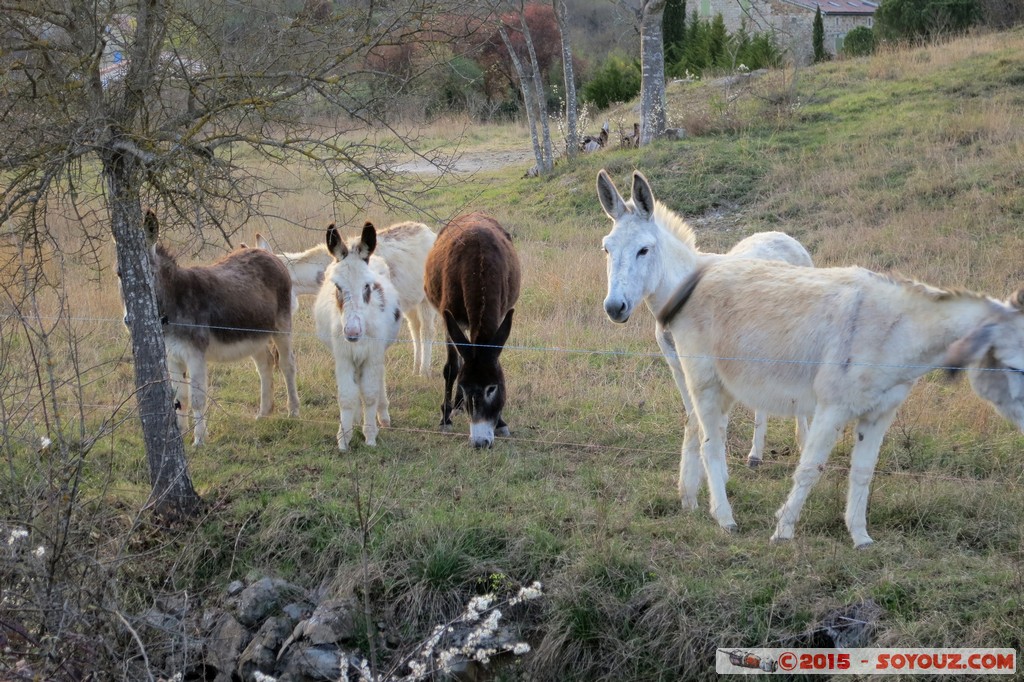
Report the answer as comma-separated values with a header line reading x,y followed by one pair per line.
x,y
905,160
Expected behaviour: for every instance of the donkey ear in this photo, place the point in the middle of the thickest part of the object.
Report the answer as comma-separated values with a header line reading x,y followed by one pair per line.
x,y
643,197
368,242
969,350
501,336
262,243
611,200
335,244
151,226
462,344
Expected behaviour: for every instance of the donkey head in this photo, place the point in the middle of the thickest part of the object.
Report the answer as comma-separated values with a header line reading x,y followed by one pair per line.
x,y
995,353
480,381
634,267
358,292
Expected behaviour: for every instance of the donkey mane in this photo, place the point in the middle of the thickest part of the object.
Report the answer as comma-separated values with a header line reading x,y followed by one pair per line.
x,y
930,292
668,219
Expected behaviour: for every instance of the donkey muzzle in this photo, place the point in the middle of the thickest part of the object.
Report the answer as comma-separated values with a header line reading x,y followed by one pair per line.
x,y
617,310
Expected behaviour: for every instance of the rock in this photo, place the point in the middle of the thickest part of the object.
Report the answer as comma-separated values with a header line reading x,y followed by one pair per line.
x,y
296,611
852,626
332,621
261,654
673,134
235,587
262,598
306,663
225,643
158,620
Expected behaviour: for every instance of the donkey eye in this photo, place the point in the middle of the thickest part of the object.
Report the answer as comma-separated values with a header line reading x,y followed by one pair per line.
x,y
604,248
643,252
366,293
490,392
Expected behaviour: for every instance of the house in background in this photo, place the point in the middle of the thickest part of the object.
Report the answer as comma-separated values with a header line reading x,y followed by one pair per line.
x,y
793,20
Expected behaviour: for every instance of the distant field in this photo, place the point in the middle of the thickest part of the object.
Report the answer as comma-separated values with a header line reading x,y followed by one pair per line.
x,y
910,161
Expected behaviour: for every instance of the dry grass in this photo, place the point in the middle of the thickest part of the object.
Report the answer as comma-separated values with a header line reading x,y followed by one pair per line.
x,y
893,162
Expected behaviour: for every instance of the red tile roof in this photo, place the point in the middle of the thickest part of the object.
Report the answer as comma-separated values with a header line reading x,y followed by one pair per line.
x,y
865,7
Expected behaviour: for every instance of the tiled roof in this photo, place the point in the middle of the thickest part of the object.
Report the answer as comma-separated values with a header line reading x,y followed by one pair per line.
x,y
838,6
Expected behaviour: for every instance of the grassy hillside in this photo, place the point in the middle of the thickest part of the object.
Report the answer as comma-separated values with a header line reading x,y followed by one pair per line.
x,y
909,160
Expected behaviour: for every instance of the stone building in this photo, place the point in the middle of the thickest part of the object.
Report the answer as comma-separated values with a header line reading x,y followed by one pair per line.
x,y
793,20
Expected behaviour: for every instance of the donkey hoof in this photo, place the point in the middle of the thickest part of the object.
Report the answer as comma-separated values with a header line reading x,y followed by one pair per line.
x,y
446,428
730,528
779,540
754,463
864,545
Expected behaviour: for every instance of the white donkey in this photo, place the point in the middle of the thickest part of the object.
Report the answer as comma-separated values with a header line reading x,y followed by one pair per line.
x,y
647,261
357,315
846,342
404,247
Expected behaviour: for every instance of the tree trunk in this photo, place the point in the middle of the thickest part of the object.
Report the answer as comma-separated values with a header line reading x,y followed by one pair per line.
x,y
652,88
572,141
527,90
173,496
539,96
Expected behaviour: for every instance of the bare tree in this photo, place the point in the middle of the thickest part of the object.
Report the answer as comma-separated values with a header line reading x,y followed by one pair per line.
x,y
531,84
163,99
572,141
652,59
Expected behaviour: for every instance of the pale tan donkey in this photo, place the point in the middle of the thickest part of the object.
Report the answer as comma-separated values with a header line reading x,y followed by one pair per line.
x,y
404,247
846,342
647,259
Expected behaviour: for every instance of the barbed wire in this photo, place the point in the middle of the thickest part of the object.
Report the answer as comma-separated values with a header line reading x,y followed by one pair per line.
x,y
569,350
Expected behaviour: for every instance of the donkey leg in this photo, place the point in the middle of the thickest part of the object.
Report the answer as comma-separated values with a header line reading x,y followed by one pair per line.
x,y
501,428
801,432
264,359
180,386
286,360
756,455
826,427
413,321
370,387
870,431
197,378
712,404
691,471
383,415
451,371
428,322
348,398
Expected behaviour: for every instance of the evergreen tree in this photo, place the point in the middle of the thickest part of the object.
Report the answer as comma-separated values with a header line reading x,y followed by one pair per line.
x,y
673,29
818,38
717,40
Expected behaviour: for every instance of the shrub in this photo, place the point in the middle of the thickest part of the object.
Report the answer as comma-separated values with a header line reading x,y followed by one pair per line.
x,y
859,42
907,19
617,80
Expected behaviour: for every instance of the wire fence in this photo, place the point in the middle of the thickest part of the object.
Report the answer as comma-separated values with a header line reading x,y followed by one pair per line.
x,y
235,409
580,351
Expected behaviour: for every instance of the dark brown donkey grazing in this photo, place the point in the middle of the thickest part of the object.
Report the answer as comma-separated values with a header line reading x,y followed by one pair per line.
x,y
222,312
472,277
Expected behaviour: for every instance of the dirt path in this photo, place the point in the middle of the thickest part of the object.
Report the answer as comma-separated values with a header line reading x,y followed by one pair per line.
x,y
471,162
